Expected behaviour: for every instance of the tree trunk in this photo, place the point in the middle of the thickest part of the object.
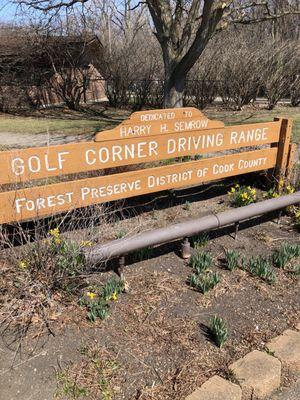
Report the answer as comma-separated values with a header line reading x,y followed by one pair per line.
x,y
174,90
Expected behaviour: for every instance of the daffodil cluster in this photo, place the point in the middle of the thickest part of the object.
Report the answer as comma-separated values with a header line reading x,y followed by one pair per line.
x,y
96,299
242,195
55,235
281,189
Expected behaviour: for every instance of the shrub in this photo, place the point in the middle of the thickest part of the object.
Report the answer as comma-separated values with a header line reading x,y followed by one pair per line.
x,y
242,195
218,330
53,261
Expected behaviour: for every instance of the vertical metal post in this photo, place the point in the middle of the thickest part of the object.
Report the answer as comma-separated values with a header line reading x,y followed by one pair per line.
x,y
237,225
279,217
186,249
120,268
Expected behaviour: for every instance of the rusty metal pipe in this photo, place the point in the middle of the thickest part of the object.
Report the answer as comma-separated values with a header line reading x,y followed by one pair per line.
x,y
188,228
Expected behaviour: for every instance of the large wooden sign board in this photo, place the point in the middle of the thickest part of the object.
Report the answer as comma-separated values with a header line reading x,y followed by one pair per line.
x,y
145,137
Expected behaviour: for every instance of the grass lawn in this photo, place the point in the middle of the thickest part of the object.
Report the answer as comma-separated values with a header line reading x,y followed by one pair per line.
x,y
257,115
40,125
66,122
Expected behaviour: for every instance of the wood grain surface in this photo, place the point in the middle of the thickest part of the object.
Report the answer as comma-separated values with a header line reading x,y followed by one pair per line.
x,y
47,200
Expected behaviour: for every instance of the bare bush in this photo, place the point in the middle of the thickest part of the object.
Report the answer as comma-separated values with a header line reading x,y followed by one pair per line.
x,y
201,86
239,71
295,90
279,66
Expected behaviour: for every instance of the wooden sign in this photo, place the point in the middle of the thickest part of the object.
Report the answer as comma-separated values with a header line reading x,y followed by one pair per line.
x,y
44,162
44,200
157,122
147,136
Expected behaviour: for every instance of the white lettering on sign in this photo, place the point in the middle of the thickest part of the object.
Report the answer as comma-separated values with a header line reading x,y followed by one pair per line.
x,y
120,153
35,164
202,172
243,164
137,130
248,136
154,181
43,202
222,168
194,143
163,128
158,116
109,190
181,126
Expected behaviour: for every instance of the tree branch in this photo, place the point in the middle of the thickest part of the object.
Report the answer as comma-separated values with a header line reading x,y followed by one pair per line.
x,y
48,5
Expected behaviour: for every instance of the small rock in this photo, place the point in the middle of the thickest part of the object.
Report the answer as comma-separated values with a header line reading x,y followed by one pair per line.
x,y
257,373
216,388
286,348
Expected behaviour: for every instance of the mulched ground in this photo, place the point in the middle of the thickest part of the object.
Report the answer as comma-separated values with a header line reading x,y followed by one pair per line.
x,y
156,336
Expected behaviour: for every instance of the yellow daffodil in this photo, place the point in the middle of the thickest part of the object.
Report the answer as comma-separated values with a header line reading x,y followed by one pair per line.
x,y
57,240
86,243
23,264
281,183
91,295
290,189
232,190
114,296
54,232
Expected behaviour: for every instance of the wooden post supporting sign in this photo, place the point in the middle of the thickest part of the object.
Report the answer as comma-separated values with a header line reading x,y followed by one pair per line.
x,y
283,148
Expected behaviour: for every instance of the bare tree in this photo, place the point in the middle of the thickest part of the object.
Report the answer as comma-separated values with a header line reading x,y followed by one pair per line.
x,y
184,28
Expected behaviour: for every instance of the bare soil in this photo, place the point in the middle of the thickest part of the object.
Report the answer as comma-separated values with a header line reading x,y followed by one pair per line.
x,y
157,332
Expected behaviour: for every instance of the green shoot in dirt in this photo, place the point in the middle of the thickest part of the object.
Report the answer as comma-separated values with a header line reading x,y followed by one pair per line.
x,y
201,261
187,206
91,377
232,259
112,289
97,300
143,254
295,270
121,233
287,252
204,282
261,267
218,330
69,388
200,240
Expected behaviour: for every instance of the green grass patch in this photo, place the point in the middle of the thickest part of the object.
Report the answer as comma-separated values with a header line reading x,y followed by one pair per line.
x,y
257,115
12,124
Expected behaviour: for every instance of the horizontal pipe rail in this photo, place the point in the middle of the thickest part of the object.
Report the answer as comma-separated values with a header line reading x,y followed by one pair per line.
x,y
188,228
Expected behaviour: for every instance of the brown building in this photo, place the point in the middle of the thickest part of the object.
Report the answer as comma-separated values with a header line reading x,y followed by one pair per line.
x,y
44,71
